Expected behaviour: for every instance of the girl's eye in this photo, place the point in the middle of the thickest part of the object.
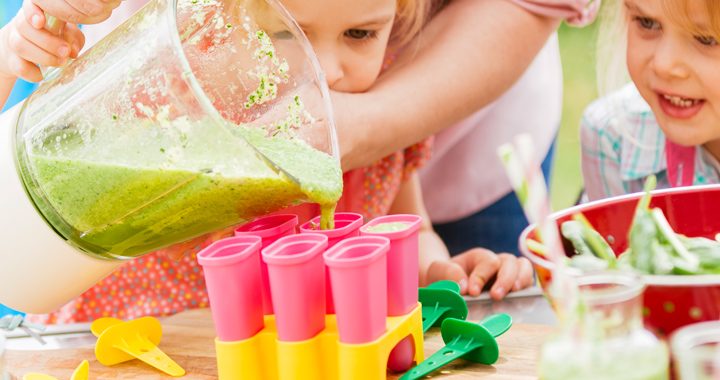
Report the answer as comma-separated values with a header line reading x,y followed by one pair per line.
x,y
706,40
647,23
359,34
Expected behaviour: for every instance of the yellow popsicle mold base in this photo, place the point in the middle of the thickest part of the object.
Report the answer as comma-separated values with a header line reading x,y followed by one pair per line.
x,y
322,357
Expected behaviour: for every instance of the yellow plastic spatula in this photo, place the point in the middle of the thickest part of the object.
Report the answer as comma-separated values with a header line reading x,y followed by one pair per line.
x,y
120,341
81,373
38,376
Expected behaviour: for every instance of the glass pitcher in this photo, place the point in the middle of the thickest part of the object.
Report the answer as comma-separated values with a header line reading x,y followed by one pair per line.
x,y
192,116
604,338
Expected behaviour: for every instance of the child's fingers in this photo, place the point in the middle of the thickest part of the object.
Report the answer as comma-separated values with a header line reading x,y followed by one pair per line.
x,y
75,38
525,274
24,69
506,277
59,9
78,11
33,14
481,265
38,46
447,270
94,8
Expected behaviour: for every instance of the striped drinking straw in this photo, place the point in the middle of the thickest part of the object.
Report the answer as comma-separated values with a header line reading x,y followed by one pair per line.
x,y
529,184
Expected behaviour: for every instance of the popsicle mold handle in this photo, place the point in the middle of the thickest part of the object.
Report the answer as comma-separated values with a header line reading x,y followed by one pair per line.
x,y
358,276
321,357
232,277
297,285
269,229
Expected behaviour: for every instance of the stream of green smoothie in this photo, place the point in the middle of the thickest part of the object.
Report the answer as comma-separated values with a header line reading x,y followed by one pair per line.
x,y
121,191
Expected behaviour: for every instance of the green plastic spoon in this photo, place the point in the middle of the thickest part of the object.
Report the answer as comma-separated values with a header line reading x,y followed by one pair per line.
x,y
471,341
445,284
441,300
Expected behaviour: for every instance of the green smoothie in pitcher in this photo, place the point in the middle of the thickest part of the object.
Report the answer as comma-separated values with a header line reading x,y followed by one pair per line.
x,y
154,185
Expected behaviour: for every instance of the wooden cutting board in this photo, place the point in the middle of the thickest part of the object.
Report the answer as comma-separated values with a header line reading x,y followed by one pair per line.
x,y
188,339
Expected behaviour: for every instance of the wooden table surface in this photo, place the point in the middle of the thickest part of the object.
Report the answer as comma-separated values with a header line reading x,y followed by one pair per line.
x,y
188,339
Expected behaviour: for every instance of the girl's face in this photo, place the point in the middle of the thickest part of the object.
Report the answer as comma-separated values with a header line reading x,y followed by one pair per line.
x,y
348,36
676,71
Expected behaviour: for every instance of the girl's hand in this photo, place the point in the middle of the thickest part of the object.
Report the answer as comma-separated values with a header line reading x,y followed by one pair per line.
x,y
73,11
478,268
25,45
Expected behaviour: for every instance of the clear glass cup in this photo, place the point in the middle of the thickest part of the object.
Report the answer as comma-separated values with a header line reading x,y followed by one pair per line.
x,y
696,351
604,337
193,116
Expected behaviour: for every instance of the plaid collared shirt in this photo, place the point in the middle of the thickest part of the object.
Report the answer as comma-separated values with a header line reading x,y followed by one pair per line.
x,y
622,144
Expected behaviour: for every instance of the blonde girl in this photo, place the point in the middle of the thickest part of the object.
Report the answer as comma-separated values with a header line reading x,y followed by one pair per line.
x,y
665,122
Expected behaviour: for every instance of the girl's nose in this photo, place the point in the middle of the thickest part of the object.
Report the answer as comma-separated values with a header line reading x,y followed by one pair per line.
x,y
668,61
331,65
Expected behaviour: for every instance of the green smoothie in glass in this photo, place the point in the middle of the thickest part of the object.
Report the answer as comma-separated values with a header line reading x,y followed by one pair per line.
x,y
616,360
601,334
154,185
388,227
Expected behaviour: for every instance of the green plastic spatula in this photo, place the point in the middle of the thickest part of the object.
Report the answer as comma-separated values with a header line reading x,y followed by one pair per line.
x,y
445,284
471,341
441,300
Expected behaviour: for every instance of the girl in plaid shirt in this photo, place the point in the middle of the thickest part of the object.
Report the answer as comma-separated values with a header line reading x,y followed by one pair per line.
x,y
667,121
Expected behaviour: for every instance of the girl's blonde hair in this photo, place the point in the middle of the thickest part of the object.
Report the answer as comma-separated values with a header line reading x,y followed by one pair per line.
x,y
612,38
411,17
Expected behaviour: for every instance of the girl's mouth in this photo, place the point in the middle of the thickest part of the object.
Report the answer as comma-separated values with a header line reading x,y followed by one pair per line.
x,y
679,107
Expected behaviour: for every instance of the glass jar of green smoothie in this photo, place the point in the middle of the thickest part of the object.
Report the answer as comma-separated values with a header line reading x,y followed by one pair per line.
x,y
696,351
193,116
604,337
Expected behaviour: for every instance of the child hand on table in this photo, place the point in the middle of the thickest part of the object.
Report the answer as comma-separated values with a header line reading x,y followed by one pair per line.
x,y
479,269
25,45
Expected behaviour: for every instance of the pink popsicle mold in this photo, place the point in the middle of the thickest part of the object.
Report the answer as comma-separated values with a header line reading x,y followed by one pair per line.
x,y
297,284
232,277
403,261
347,225
358,274
269,228
403,277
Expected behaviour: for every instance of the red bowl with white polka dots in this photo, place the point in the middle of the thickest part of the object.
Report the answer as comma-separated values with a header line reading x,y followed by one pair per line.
x,y
670,302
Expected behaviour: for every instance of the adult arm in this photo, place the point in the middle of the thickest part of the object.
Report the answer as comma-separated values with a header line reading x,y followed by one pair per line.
x,y
466,57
